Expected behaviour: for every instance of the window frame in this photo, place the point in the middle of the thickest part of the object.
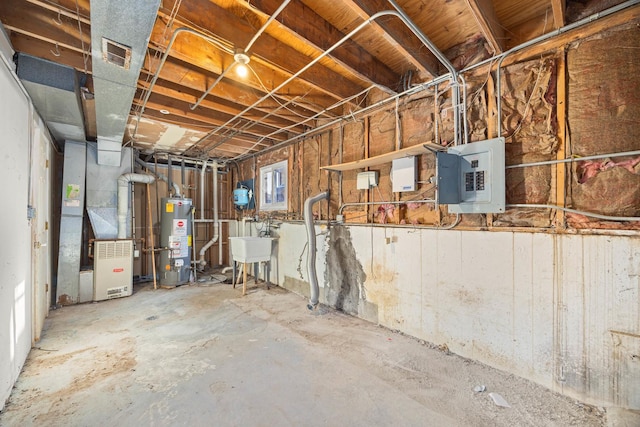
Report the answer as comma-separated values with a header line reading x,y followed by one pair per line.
x,y
267,174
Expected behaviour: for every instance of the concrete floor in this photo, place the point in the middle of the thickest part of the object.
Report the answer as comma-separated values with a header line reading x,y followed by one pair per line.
x,y
204,355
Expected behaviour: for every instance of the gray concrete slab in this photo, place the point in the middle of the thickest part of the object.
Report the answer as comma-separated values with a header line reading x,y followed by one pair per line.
x,y
204,355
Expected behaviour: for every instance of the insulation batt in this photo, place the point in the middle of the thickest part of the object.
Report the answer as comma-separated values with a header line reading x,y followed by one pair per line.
x,y
589,168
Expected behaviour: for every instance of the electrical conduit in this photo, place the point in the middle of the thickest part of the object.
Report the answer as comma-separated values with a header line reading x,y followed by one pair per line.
x,y
311,240
123,197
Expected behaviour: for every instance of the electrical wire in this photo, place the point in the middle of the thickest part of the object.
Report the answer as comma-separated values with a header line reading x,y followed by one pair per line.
x,y
575,211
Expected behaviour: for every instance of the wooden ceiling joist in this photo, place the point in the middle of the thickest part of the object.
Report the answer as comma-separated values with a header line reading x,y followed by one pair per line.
x,y
47,50
197,79
217,105
283,62
314,30
487,19
67,8
559,12
178,113
397,33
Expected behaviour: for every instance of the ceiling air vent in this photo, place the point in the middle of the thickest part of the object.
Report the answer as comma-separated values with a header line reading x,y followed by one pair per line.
x,y
116,53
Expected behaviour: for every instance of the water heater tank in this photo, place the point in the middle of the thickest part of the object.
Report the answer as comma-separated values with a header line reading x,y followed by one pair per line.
x,y
176,236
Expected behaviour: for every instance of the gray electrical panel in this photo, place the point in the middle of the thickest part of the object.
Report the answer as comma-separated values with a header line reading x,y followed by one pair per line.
x,y
471,177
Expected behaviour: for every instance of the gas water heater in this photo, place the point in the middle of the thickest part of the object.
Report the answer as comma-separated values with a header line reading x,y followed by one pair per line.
x,y
176,238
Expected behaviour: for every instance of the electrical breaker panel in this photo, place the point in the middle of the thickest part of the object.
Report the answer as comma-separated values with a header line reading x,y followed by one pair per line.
x,y
471,177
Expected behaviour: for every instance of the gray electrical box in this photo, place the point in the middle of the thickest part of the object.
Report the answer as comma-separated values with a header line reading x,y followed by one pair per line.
x,y
471,177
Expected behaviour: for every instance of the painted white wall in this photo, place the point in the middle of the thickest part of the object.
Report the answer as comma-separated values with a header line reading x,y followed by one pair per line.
x,y
561,310
15,257
22,308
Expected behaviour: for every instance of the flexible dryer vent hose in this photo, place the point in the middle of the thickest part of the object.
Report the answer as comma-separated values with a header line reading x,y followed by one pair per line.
x,y
311,240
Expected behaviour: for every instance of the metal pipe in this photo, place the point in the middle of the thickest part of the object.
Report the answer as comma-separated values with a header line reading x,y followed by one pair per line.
x,y
371,108
164,59
160,176
465,125
246,50
455,90
440,79
311,240
266,24
308,119
169,174
397,13
541,38
579,159
344,205
123,198
576,211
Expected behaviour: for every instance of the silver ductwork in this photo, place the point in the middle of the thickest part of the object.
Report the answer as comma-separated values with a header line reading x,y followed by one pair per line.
x,y
120,32
55,92
123,198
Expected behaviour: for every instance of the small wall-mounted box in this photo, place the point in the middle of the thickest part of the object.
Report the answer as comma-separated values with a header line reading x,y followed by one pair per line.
x,y
366,180
403,174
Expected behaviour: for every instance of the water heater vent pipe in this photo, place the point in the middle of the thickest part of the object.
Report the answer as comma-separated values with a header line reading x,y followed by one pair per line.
x,y
123,197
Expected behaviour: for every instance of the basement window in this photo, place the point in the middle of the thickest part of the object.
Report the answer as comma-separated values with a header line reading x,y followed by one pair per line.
x,y
273,187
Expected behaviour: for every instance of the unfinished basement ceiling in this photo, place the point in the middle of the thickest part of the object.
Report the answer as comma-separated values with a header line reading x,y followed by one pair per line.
x,y
193,45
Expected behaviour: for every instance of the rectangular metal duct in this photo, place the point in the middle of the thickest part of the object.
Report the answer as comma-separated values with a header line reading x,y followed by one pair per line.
x,y
72,209
55,91
102,192
120,32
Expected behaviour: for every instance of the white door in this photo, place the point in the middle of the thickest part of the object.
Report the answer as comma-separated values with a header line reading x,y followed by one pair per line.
x,y
40,225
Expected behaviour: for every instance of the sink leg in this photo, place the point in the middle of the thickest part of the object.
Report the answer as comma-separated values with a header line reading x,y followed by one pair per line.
x,y
267,273
234,277
244,279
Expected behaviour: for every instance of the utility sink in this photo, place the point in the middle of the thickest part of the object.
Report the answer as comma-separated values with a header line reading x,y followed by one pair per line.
x,y
251,249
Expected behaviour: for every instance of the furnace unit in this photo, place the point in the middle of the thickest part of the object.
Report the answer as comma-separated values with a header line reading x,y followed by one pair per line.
x,y
112,269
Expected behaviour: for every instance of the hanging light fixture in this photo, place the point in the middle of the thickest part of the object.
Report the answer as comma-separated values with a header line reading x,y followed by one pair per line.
x,y
241,59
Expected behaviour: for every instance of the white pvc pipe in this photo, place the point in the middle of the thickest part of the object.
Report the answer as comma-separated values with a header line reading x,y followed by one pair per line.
x,y
123,197
202,174
216,225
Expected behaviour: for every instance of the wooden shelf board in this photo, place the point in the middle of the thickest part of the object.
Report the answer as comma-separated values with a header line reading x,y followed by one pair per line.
x,y
416,150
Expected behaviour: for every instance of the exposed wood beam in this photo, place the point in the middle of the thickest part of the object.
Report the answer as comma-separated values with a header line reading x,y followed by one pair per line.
x,y
198,79
487,19
66,8
630,14
47,50
561,114
311,29
559,8
181,111
216,105
45,25
266,52
55,44
398,34
199,53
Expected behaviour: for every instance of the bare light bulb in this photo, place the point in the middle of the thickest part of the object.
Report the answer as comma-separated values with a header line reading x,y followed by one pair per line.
x,y
241,70
242,59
